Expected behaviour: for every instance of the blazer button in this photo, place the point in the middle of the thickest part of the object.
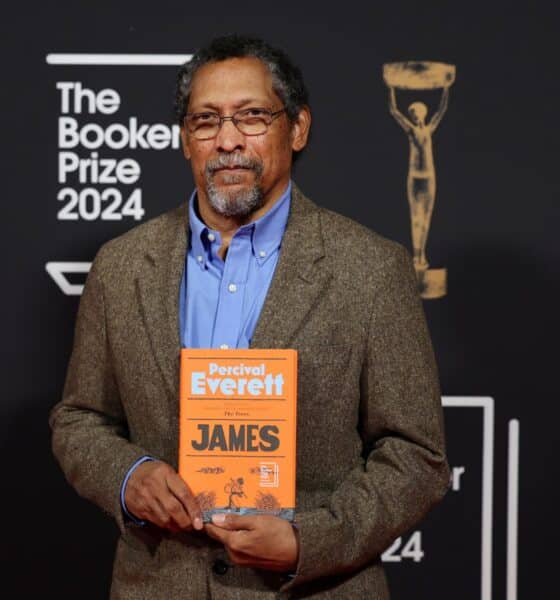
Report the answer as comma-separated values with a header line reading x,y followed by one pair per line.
x,y
220,567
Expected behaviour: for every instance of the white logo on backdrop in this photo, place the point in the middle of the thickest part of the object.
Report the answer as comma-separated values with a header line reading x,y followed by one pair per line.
x,y
93,186
97,187
59,270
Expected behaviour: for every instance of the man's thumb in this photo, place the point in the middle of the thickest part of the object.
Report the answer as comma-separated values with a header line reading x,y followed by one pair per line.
x,y
232,522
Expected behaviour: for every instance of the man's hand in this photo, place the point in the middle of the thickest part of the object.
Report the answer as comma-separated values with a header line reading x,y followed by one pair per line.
x,y
258,541
156,493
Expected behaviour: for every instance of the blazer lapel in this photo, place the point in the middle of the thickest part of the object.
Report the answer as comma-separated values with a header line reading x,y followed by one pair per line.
x,y
298,282
158,289
299,278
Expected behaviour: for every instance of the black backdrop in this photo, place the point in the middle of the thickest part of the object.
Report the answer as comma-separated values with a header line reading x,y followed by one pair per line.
x,y
494,229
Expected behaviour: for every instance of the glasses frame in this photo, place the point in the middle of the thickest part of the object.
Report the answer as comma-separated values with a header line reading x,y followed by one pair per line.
x,y
272,115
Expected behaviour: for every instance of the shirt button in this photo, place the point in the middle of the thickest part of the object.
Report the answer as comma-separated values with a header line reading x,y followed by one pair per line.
x,y
232,287
211,237
262,253
224,347
199,258
220,567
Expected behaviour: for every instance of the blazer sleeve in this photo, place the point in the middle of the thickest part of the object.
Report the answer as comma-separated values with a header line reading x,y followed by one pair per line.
x,y
89,428
406,471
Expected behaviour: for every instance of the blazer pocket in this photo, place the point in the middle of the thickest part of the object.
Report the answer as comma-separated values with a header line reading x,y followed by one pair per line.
x,y
141,539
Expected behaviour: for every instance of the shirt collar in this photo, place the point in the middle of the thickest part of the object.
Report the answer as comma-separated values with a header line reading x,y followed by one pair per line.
x,y
267,231
199,231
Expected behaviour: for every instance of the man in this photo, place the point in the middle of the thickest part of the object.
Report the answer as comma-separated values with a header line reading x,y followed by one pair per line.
x,y
252,262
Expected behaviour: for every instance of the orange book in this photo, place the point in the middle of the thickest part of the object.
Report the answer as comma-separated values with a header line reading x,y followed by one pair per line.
x,y
237,430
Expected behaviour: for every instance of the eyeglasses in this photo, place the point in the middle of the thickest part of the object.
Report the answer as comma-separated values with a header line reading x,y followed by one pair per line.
x,y
249,121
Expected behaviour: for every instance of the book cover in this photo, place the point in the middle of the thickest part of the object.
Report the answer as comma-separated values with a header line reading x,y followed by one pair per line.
x,y
237,430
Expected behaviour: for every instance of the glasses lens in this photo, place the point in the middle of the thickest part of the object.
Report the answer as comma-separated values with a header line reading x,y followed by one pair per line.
x,y
253,121
203,125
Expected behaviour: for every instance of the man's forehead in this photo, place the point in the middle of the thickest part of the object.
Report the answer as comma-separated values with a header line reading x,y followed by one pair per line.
x,y
233,81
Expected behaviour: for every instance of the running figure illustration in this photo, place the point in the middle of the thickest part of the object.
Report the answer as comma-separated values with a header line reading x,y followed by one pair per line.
x,y
234,488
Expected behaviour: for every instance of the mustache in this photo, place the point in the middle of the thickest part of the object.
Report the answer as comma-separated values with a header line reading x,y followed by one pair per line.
x,y
230,161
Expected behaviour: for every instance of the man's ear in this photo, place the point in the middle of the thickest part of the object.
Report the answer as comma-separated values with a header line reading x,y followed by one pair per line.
x,y
300,129
184,143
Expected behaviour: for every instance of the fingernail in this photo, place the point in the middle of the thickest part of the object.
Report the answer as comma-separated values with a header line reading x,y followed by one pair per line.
x,y
198,523
218,519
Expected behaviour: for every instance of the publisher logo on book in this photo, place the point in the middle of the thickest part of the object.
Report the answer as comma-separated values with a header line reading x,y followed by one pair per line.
x,y
269,474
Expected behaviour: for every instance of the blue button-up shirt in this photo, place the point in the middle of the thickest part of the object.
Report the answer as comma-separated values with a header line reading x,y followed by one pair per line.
x,y
221,300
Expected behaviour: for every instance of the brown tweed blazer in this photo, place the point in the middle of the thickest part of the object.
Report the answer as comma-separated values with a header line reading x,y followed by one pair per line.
x,y
370,454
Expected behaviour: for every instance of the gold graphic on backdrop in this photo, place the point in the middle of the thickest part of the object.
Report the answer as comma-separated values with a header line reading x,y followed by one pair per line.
x,y
421,183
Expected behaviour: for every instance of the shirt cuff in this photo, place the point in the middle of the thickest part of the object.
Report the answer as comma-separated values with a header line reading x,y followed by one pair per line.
x,y
128,516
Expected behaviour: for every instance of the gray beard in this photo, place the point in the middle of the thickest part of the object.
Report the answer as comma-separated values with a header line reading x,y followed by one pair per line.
x,y
240,204
235,204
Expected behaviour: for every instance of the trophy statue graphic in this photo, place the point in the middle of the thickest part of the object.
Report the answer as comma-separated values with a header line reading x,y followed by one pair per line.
x,y
421,183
